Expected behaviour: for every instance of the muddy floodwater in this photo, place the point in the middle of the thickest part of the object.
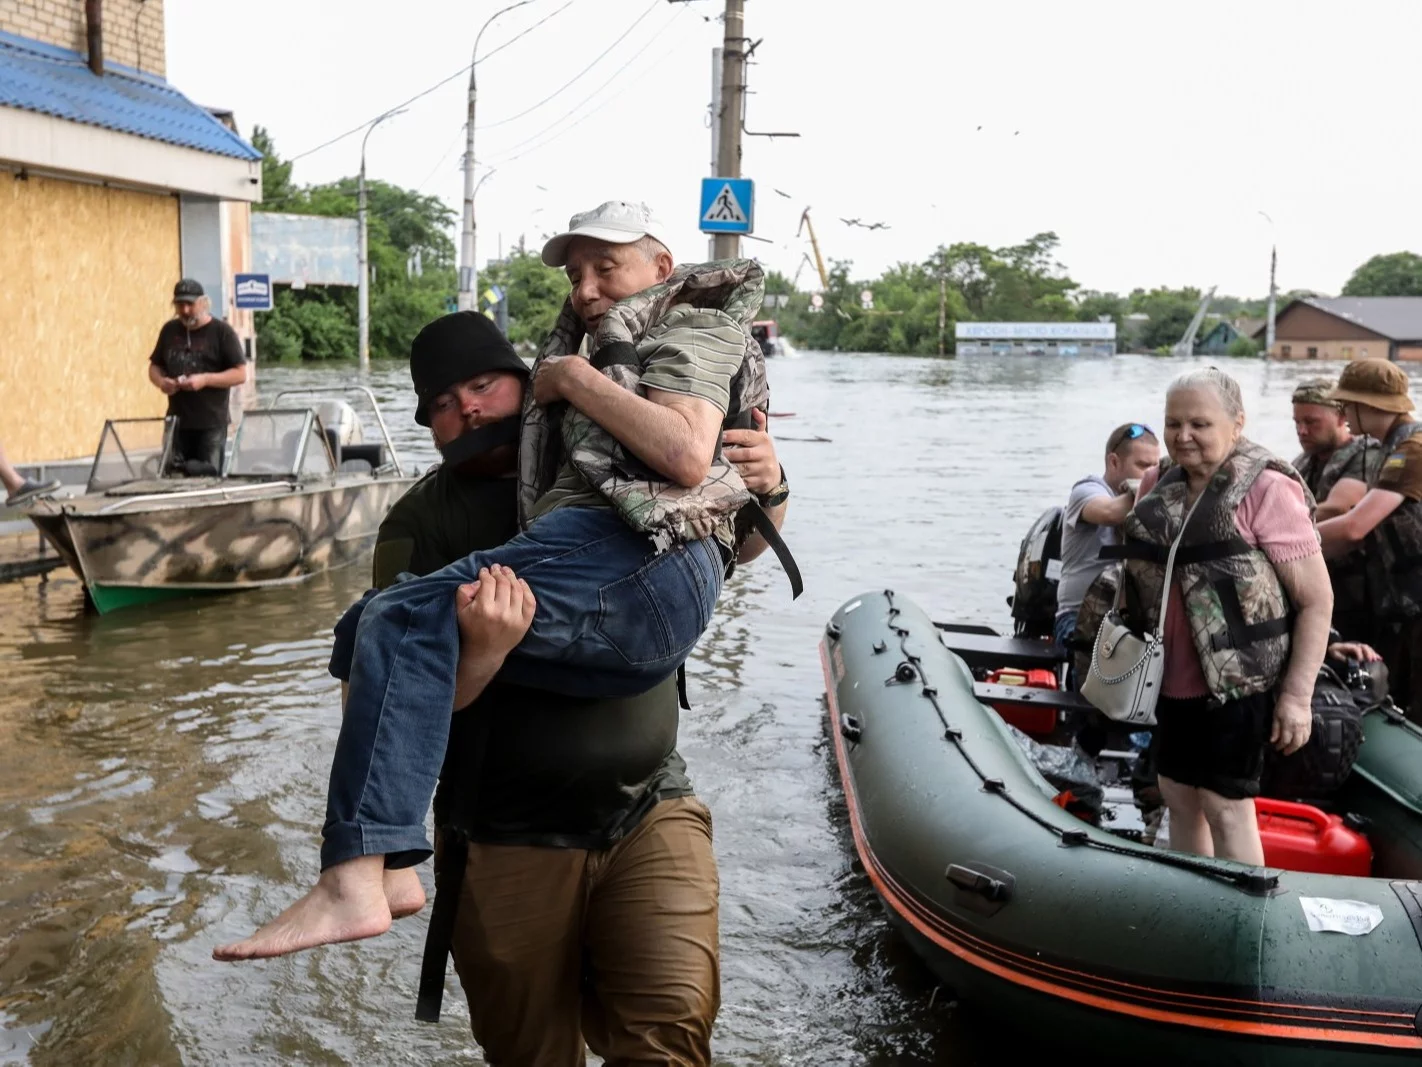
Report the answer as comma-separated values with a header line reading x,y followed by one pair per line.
x,y
163,770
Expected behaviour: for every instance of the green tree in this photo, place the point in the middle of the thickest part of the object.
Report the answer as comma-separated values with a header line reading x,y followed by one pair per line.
x,y
1394,274
1170,312
535,292
276,174
1243,346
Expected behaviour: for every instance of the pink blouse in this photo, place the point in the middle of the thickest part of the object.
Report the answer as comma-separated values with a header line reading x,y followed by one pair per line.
x,y
1273,517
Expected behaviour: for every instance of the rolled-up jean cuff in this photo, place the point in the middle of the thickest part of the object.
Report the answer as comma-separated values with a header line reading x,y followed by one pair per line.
x,y
402,846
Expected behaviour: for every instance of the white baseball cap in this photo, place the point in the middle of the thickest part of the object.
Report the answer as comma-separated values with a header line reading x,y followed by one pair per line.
x,y
617,222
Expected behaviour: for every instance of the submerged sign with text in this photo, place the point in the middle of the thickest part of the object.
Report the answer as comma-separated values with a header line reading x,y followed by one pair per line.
x,y
1035,331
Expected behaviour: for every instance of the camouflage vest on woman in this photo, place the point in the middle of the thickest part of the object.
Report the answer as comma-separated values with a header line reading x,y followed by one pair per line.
x,y
1359,459
1239,614
670,513
1394,548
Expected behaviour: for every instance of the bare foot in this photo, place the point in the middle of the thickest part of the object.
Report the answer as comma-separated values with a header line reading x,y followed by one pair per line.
x,y
347,904
403,892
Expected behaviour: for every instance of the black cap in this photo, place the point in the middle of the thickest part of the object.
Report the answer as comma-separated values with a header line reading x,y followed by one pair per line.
x,y
455,348
188,290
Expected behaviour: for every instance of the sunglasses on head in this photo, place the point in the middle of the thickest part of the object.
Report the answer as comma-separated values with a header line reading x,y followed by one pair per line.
x,y
1134,430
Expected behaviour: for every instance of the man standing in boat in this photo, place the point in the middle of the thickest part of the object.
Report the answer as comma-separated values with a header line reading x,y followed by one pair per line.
x,y
1387,522
1337,467
195,364
1097,506
576,885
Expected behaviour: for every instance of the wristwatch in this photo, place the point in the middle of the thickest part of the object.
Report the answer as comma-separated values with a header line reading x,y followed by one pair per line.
x,y
776,496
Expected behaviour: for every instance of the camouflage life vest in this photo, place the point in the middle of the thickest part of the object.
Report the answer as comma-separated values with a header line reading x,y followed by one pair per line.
x,y
1360,459
1096,602
1394,548
1239,614
669,513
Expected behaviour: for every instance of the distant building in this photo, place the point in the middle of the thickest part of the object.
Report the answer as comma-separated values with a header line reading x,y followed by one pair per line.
x,y
113,185
1348,327
1035,338
1216,340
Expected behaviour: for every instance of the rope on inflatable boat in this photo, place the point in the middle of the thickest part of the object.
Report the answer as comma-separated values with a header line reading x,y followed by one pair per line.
x,y
1255,881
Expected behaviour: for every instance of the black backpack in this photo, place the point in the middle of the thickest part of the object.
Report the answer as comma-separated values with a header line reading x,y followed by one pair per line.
x,y
1318,769
1034,597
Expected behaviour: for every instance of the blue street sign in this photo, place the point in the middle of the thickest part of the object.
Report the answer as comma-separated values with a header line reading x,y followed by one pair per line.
x,y
727,205
254,292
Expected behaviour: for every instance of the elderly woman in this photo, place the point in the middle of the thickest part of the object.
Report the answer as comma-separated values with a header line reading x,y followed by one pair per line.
x,y
1246,623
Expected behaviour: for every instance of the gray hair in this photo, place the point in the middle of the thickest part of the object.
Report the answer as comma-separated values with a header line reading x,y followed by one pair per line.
x,y
651,248
1217,381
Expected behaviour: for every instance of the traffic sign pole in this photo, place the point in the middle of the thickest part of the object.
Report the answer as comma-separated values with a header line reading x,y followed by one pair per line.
x,y
727,244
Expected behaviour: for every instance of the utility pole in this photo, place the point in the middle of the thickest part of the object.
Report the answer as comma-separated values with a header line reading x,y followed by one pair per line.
x,y
942,310
1269,333
363,282
732,100
468,274
715,132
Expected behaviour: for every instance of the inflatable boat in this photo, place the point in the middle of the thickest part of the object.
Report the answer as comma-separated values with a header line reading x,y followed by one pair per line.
x,y
1114,947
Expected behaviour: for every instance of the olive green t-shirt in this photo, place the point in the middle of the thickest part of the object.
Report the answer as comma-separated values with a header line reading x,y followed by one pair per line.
x,y
1401,470
526,766
691,352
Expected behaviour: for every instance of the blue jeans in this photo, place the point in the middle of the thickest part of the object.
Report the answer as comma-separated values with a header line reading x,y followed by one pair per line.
x,y
613,620
1062,630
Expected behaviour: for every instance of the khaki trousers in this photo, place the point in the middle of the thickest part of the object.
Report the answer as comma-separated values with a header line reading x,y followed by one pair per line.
x,y
617,948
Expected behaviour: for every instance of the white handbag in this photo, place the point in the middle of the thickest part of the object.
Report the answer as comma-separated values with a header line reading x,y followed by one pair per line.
x,y
1124,680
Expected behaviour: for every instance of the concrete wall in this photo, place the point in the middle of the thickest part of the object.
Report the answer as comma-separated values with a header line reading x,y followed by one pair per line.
x,y
133,30
88,280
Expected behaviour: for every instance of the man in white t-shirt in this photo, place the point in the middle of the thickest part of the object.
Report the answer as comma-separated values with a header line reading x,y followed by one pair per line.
x,y
1096,508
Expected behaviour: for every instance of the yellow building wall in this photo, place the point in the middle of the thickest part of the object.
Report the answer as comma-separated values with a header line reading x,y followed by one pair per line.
x,y
88,277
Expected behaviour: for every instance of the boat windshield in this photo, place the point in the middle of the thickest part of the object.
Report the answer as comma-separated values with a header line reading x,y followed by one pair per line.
x,y
276,442
130,450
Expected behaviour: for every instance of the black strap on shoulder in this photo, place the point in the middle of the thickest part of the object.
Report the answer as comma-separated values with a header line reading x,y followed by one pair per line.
x,y
1186,554
476,442
614,354
1242,634
449,879
766,528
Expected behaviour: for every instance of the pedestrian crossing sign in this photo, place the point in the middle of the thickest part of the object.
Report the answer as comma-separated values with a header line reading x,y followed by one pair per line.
x,y
727,205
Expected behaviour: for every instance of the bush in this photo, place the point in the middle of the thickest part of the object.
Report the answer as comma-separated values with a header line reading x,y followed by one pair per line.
x,y
1243,346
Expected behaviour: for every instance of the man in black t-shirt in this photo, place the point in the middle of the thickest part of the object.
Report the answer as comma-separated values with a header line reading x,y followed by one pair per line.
x,y
196,361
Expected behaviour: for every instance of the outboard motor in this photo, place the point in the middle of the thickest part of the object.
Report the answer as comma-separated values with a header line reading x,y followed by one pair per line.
x,y
1039,566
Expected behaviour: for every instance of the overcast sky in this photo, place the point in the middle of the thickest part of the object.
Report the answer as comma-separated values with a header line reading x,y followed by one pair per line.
x,y
1149,136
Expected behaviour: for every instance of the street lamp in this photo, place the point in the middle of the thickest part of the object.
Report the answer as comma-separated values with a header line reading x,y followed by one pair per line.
x,y
363,282
1273,263
468,275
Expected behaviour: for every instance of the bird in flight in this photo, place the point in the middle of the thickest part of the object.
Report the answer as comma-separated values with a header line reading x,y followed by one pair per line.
x,y
849,222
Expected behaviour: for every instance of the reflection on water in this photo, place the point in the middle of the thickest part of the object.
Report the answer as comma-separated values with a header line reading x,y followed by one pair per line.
x,y
162,771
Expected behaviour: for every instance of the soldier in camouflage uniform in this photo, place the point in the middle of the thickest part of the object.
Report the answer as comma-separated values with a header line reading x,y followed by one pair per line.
x,y
1246,621
631,507
1337,467
1387,522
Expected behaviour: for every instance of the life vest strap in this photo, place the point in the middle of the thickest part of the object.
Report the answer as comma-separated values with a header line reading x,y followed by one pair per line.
x,y
1241,633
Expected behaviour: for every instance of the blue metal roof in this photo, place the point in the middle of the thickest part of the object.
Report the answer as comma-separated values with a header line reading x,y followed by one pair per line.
x,y
56,81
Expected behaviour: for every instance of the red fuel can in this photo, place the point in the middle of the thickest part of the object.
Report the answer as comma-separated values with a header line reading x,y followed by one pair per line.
x,y
1300,837
1037,722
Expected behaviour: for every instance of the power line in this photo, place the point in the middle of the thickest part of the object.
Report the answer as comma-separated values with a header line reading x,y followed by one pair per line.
x,y
437,85
617,74
568,84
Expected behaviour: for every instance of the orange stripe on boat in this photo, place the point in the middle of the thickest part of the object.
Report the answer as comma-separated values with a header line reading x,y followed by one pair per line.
x,y
891,893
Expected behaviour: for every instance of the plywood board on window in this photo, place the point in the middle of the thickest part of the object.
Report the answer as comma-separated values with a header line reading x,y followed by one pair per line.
x,y
86,281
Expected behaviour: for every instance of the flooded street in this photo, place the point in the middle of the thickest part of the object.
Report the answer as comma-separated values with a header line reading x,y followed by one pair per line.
x,y
163,770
